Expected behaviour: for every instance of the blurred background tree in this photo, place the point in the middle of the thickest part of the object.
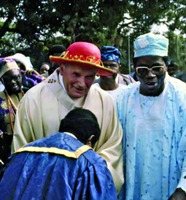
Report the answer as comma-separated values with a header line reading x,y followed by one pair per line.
x,y
32,27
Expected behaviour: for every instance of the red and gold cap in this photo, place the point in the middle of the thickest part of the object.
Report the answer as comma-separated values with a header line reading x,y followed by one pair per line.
x,y
85,54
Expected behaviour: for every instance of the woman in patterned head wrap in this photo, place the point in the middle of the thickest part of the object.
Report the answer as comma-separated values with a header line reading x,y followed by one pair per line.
x,y
10,95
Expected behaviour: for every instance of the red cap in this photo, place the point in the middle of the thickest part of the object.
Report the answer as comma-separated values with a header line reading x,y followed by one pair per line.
x,y
85,54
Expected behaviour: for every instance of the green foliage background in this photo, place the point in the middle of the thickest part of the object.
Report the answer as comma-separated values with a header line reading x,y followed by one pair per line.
x,y
33,26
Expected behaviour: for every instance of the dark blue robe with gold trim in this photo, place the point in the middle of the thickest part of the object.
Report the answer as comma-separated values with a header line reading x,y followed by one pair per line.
x,y
57,167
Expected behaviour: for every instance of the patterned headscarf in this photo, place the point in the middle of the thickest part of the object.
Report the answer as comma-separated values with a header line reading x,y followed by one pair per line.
x,y
7,64
110,53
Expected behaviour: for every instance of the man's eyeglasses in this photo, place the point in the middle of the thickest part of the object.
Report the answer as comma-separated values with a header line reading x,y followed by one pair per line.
x,y
142,71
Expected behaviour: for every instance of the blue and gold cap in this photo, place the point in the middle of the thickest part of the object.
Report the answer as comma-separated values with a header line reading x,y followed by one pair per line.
x,y
110,53
151,44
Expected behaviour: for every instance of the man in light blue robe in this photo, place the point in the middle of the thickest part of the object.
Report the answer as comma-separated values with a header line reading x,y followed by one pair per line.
x,y
60,166
153,116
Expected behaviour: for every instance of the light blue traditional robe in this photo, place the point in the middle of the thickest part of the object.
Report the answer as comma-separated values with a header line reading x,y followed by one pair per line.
x,y
57,167
154,143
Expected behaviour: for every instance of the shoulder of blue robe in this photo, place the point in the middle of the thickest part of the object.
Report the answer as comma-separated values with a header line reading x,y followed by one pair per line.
x,y
57,143
39,175
177,86
128,90
122,100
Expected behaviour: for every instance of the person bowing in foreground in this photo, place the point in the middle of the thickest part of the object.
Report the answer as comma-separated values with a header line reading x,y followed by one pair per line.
x,y
61,165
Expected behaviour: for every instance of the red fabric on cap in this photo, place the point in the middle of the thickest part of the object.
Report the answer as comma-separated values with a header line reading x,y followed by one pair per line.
x,y
83,53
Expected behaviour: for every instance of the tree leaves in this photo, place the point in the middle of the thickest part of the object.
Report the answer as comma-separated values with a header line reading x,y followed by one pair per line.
x,y
103,22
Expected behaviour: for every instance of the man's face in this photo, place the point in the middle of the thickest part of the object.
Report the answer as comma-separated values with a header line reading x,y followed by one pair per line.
x,y
12,81
77,79
150,71
172,70
111,65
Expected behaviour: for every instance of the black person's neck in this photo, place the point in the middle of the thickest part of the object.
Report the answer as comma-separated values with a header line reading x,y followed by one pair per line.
x,y
108,85
14,93
153,94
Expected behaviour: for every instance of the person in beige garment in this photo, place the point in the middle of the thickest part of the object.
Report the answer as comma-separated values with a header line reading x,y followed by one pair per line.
x,y
68,87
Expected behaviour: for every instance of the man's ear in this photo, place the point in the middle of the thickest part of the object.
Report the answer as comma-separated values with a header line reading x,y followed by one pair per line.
x,y
61,69
166,68
89,141
119,67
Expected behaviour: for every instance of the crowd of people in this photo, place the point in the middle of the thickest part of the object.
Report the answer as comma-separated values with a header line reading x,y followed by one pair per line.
x,y
80,129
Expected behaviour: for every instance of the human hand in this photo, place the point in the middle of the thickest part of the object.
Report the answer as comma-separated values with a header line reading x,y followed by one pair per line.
x,y
179,194
32,71
29,72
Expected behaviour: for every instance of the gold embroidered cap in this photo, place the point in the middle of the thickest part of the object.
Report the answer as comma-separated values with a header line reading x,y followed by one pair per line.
x,y
7,64
83,53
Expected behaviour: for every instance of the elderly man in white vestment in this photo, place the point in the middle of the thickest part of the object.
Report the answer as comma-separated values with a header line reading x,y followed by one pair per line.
x,y
68,87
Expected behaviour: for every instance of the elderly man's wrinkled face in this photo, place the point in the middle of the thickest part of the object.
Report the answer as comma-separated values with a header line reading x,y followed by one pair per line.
x,y
150,71
12,81
77,79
